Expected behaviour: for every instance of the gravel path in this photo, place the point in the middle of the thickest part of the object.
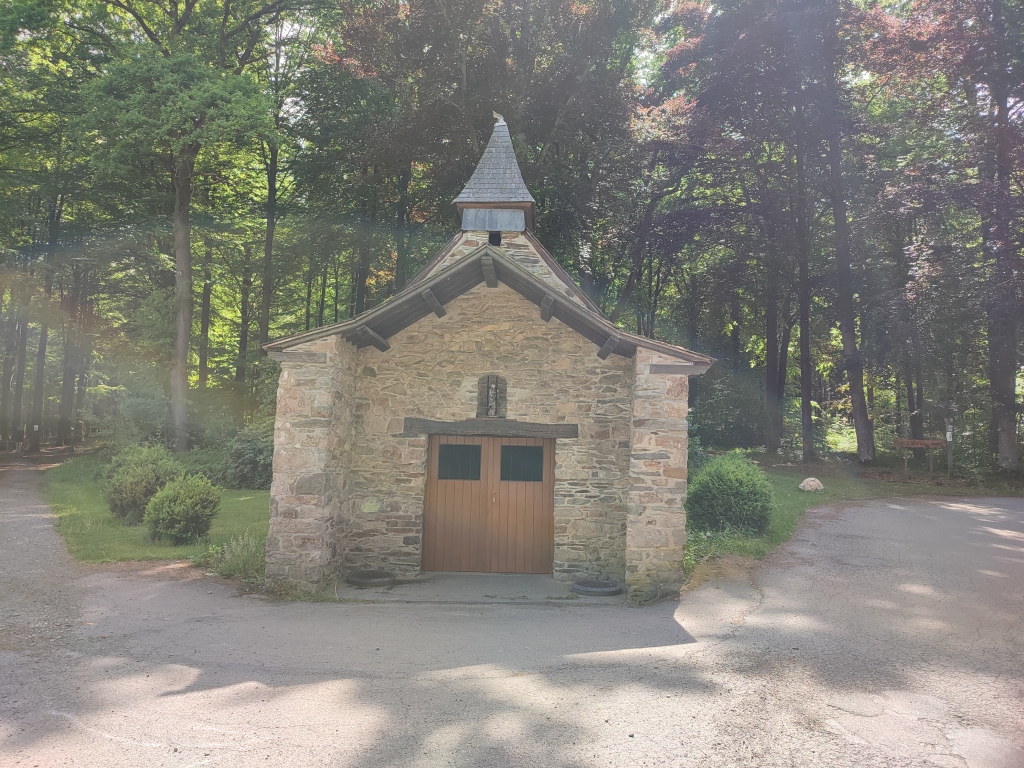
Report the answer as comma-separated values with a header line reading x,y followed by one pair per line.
x,y
884,634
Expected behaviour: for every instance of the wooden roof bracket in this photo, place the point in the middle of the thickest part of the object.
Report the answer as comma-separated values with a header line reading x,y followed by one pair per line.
x,y
547,307
609,347
367,335
487,265
432,302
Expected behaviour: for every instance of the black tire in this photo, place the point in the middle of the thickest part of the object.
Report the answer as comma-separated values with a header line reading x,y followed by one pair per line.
x,y
370,578
596,588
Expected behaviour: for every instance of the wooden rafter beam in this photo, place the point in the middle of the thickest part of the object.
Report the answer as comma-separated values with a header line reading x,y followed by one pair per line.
x,y
547,307
371,337
609,347
432,302
487,265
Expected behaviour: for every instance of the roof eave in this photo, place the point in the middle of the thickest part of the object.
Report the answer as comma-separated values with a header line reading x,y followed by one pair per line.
x,y
410,305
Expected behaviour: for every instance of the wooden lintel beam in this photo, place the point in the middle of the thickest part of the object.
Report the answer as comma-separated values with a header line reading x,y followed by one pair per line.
x,y
373,338
609,347
432,302
547,306
489,427
487,265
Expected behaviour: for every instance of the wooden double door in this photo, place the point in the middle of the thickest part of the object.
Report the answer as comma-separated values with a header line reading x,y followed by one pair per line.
x,y
489,504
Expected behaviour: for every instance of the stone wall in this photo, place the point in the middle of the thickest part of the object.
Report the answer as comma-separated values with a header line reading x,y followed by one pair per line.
x,y
554,376
312,434
349,485
656,520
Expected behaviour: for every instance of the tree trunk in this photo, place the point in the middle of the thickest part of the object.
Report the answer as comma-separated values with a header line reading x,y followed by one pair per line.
x,y
83,380
735,317
780,387
803,231
809,451
362,273
402,228
1003,301
17,417
39,385
853,361
243,328
919,453
335,289
183,297
323,298
204,317
71,343
911,403
309,296
773,437
36,427
10,356
267,273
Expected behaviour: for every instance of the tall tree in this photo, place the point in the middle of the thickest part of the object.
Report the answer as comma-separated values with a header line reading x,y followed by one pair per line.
x,y
179,86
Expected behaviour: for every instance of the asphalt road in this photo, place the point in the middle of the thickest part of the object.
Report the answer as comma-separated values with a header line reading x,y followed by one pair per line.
x,y
884,634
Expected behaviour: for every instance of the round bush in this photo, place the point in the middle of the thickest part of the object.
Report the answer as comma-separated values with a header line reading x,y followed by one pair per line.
x,y
251,457
731,492
183,511
135,475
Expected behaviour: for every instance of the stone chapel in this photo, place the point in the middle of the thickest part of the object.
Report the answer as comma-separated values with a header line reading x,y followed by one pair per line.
x,y
486,418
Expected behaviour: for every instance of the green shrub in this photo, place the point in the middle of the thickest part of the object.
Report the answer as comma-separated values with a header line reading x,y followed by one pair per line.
x,y
730,493
211,463
251,457
183,510
134,476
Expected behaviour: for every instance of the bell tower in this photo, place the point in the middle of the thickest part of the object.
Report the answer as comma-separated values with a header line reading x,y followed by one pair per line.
x,y
496,198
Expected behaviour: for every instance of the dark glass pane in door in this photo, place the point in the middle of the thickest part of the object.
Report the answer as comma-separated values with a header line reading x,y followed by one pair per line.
x,y
522,463
458,462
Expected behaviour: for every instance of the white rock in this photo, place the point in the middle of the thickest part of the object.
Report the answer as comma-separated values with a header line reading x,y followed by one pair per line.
x,y
812,484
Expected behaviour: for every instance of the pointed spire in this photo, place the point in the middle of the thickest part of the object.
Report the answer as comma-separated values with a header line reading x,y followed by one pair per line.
x,y
497,178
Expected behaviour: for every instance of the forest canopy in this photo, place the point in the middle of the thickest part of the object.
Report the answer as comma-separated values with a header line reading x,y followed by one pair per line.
x,y
824,196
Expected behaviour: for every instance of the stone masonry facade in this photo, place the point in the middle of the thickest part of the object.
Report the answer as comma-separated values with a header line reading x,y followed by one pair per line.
x,y
349,483
554,376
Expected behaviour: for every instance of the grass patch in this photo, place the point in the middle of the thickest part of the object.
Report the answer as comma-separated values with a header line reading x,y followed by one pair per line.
x,y
840,485
92,534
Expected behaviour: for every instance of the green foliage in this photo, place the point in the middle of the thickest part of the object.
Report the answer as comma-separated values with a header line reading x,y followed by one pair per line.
x,y
214,414
242,557
74,490
702,546
99,103
251,457
136,474
730,411
730,493
211,463
183,510
696,458
153,103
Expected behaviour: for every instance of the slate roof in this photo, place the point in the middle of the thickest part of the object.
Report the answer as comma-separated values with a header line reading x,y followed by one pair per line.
x,y
497,178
